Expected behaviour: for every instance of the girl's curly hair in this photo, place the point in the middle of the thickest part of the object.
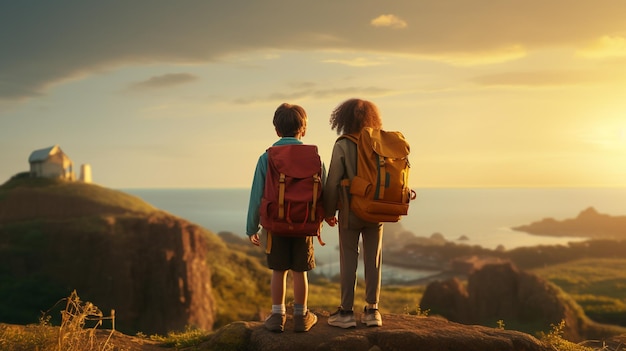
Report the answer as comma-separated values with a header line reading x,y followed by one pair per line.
x,y
352,115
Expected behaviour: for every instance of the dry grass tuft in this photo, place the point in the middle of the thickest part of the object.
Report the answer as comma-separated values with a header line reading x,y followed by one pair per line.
x,y
77,332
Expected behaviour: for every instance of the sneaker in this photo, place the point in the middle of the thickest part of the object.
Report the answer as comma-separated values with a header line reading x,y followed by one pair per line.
x,y
342,319
302,323
371,317
275,322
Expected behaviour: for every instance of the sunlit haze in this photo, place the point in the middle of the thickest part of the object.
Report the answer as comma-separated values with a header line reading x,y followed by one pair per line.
x,y
181,94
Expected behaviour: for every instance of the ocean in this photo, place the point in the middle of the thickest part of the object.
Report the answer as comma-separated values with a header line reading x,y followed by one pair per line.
x,y
484,216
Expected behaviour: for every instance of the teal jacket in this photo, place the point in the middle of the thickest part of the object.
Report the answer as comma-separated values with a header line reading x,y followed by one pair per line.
x,y
258,185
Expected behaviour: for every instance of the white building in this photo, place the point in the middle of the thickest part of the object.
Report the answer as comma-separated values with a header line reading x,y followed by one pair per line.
x,y
51,162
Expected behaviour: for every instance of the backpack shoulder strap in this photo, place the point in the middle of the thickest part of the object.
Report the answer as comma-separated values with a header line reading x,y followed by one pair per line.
x,y
352,137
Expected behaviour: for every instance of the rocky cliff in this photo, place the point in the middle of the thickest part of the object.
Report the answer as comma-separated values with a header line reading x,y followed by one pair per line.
x,y
112,248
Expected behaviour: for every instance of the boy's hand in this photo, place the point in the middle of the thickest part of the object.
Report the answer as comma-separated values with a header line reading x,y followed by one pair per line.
x,y
254,239
332,221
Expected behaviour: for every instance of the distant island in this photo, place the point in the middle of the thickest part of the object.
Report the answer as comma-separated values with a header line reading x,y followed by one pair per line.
x,y
589,224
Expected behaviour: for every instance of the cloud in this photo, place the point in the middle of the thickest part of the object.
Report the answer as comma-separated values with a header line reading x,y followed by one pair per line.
x,y
356,62
535,78
310,91
164,81
389,21
45,43
605,46
497,55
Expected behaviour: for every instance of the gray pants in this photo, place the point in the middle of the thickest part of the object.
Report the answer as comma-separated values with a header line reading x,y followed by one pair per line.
x,y
372,237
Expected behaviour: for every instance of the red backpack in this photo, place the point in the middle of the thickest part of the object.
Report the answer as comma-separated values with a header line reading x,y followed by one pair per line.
x,y
292,197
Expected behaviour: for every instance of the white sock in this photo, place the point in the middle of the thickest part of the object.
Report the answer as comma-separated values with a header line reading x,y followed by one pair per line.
x,y
279,309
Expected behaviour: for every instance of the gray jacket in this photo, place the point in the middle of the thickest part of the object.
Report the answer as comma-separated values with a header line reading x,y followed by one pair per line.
x,y
343,165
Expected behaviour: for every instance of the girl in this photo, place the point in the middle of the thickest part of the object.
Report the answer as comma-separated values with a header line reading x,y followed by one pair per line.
x,y
351,117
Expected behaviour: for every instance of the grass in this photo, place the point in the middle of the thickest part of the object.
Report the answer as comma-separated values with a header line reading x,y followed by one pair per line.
x,y
79,321
30,337
597,285
591,276
77,332
189,337
324,295
62,189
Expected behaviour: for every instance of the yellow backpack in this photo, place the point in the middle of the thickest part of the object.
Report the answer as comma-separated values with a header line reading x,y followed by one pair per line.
x,y
380,190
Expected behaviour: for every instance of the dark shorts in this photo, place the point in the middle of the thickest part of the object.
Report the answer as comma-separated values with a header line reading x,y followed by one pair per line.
x,y
291,253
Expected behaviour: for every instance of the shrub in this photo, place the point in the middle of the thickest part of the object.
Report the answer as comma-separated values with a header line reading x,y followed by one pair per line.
x,y
554,338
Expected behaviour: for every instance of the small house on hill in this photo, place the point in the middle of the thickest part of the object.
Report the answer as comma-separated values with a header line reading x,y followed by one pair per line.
x,y
51,162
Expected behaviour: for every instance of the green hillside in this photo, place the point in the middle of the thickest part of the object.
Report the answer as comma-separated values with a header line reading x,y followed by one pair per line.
x,y
598,285
93,196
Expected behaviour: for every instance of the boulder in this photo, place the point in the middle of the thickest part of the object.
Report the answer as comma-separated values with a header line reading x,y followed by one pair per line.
x,y
501,292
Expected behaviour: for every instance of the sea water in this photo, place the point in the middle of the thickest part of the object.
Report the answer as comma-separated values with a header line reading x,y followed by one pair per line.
x,y
483,216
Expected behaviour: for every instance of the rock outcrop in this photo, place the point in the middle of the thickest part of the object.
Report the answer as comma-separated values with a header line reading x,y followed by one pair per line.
x,y
147,265
399,332
501,292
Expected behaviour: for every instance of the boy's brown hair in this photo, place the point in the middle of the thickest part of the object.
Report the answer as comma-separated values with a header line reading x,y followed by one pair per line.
x,y
353,115
289,120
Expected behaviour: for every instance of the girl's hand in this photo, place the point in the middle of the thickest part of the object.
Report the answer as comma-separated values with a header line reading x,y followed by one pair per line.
x,y
332,221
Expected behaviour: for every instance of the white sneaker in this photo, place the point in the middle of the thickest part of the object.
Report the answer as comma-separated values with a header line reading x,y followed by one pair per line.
x,y
342,319
371,317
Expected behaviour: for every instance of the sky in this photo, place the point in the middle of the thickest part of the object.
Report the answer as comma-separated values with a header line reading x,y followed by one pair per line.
x,y
181,94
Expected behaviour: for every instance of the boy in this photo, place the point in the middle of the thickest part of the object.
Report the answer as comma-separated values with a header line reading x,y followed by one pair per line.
x,y
284,253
